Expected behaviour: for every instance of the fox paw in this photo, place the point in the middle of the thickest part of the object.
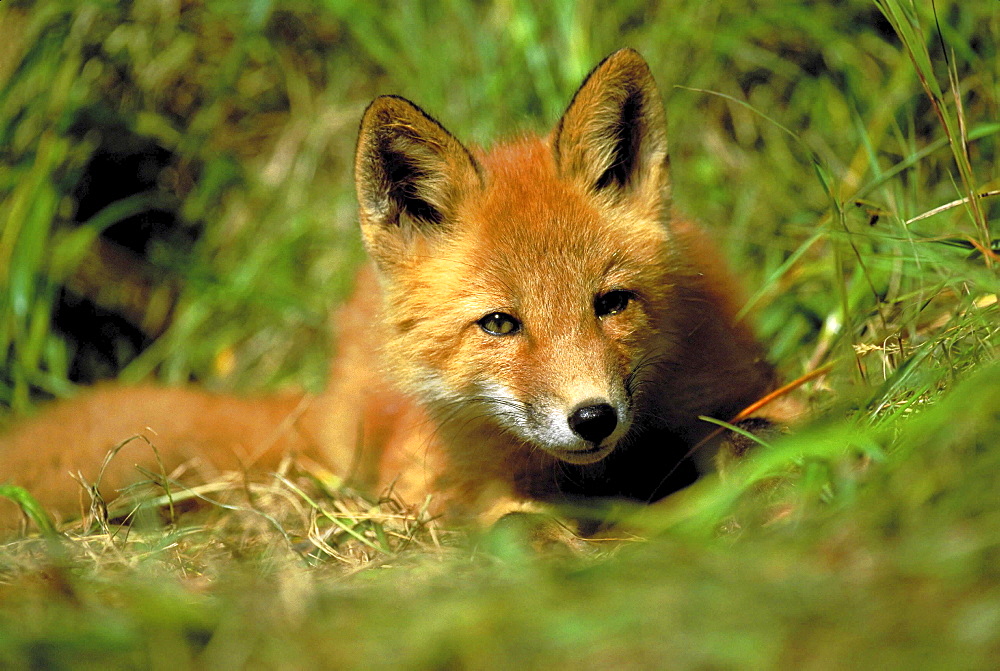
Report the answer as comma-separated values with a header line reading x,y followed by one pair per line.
x,y
536,533
734,446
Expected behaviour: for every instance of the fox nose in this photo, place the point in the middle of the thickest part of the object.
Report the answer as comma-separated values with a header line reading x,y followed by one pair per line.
x,y
594,423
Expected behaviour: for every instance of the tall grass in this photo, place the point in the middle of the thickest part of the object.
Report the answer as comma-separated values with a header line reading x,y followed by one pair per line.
x,y
845,154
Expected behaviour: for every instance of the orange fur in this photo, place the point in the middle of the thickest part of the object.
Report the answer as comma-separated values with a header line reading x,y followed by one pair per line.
x,y
550,330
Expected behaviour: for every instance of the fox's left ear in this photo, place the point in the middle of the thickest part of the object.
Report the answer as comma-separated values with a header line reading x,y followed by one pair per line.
x,y
613,136
410,173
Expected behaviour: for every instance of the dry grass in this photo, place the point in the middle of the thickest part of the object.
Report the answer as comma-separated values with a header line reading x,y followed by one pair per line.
x,y
301,512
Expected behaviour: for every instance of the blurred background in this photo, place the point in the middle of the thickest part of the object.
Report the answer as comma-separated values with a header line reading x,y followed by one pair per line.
x,y
176,192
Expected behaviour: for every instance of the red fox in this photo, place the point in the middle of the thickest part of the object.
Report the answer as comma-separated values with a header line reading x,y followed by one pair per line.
x,y
550,330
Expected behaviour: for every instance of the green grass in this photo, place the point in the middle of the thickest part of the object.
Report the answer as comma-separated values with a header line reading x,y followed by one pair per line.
x,y
815,140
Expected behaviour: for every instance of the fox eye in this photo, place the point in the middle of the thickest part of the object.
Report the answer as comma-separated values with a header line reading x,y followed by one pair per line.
x,y
612,302
499,324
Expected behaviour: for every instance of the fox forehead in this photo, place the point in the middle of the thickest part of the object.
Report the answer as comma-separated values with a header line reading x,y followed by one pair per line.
x,y
529,230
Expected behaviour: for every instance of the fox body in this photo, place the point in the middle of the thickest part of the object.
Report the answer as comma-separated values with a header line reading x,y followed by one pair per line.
x,y
549,329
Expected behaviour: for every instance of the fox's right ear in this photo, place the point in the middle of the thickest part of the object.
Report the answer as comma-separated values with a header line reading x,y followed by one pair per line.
x,y
613,136
410,173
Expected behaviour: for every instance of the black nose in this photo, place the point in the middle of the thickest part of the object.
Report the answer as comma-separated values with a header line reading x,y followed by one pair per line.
x,y
594,423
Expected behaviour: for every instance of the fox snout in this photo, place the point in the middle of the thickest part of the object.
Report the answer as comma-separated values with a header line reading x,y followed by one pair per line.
x,y
585,434
581,432
593,422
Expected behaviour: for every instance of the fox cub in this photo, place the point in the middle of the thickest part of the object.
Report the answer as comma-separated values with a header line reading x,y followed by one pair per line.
x,y
549,330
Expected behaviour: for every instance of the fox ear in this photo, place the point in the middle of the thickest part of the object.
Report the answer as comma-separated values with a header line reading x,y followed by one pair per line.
x,y
613,136
409,173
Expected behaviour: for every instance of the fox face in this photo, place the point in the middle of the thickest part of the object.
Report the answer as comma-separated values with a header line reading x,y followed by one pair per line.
x,y
530,311
524,287
563,330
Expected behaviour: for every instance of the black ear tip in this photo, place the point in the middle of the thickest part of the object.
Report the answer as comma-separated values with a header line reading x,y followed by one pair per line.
x,y
387,107
626,57
628,52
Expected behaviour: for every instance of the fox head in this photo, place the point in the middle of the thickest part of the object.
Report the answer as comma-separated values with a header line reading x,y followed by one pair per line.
x,y
528,287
